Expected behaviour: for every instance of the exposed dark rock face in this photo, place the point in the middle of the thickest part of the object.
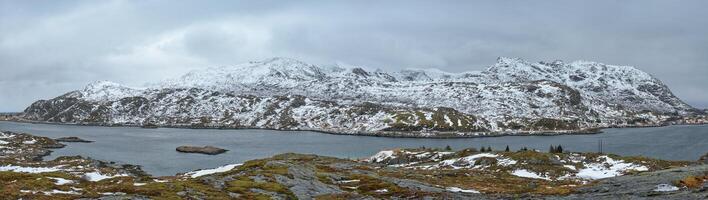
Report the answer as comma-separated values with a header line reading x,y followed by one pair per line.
x,y
210,150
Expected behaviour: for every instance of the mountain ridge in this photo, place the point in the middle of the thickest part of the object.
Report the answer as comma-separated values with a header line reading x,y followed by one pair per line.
x,y
511,96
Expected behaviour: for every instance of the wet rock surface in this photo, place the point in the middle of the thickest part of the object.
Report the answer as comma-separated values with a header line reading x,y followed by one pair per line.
x,y
210,150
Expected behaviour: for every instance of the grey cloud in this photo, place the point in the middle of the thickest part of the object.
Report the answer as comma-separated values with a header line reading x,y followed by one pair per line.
x,y
48,48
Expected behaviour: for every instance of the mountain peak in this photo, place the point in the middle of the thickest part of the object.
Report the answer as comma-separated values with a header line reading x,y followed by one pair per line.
x,y
508,60
107,90
276,70
103,83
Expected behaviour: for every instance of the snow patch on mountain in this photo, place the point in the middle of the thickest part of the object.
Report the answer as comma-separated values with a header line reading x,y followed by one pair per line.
x,y
107,91
275,71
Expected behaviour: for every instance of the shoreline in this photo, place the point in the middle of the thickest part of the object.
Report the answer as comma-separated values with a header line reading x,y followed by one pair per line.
x,y
391,134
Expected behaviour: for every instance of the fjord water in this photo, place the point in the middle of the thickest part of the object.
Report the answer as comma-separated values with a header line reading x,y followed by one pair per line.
x,y
154,149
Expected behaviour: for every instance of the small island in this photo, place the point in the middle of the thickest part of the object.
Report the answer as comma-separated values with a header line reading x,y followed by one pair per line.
x,y
72,139
210,150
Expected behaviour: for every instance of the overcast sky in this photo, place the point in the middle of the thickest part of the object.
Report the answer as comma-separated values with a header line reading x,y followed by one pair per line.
x,y
48,48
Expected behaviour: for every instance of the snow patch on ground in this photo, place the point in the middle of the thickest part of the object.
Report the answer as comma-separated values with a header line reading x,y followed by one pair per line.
x,y
30,141
32,170
665,188
4,135
528,174
350,181
96,176
204,172
381,191
381,156
59,192
469,161
609,168
505,161
61,181
456,189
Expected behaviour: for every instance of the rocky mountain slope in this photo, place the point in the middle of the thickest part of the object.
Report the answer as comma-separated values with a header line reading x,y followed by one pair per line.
x,y
510,97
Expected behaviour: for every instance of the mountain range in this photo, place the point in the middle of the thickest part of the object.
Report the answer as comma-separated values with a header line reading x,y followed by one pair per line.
x,y
512,96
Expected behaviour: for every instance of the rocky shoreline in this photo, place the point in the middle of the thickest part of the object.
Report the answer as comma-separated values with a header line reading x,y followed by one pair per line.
x,y
392,134
398,174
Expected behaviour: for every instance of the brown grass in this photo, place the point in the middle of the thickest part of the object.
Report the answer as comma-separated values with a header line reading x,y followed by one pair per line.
x,y
693,181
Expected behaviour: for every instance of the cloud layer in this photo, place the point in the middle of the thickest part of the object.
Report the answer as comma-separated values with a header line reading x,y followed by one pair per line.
x,y
51,47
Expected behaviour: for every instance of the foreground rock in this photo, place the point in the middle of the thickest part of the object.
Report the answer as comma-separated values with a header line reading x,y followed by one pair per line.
x,y
210,150
393,174
72,139
649,186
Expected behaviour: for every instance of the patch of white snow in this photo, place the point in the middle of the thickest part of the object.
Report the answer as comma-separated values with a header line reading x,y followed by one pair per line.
x,y
456,189
32,170
204,172
528,174
96,176
665,188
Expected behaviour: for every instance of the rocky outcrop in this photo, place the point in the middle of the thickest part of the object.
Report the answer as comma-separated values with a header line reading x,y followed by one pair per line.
x,y
210,150
22,146
703,159
646,186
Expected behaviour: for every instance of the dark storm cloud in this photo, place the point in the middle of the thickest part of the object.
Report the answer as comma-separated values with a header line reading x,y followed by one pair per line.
x,y
51,47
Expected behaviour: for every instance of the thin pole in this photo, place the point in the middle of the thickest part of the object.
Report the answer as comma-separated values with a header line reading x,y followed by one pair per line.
x,y
599,145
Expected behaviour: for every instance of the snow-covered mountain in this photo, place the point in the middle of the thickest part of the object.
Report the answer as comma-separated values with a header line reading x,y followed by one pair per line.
x,y
511,96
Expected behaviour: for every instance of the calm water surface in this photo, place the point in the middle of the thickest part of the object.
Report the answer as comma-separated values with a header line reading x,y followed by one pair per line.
x,y
154,149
